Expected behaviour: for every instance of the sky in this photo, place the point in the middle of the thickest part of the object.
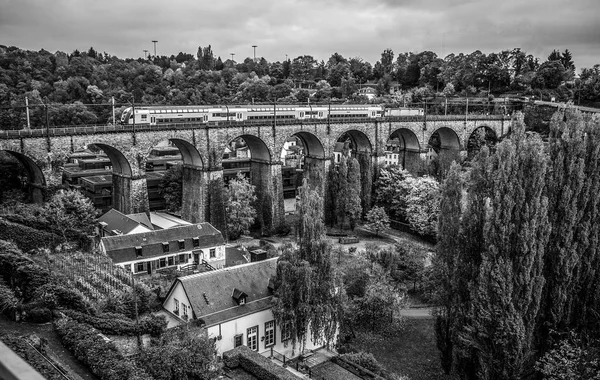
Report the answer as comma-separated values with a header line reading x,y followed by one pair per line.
x,y
352,28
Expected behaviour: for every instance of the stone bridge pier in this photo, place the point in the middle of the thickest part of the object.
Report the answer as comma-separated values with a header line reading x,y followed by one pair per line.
x,y
266,177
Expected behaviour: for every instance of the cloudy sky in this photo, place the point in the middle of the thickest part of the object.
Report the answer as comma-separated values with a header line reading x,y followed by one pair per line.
x,y
353,28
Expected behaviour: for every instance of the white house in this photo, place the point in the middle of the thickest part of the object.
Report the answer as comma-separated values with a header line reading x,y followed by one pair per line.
x,y
234,305
178,246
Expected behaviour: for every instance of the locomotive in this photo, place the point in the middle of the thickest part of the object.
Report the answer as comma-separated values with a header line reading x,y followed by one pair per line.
x,y
158,115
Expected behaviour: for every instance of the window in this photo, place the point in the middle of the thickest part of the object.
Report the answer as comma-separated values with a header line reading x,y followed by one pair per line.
x,y
213,253
165,247
181,244
138,251
176,309
140,267
184,308
238,340
170,260
286,331
252,340
162,263
182,258
269,333
196,242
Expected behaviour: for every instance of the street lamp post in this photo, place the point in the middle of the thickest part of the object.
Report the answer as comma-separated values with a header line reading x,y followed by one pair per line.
x,y
232,54
145,51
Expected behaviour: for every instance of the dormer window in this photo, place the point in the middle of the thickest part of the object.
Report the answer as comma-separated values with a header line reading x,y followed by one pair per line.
x,y
181,244
138,251
239,296
165,246
196,241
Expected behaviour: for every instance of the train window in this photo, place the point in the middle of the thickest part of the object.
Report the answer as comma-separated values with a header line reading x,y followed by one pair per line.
x,y
205,117
144,117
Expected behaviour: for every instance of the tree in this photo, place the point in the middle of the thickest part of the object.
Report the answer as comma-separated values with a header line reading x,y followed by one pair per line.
x,y
495,335
353,208
422,204
181,354
308,297
239,208
69,210
377,219
171,188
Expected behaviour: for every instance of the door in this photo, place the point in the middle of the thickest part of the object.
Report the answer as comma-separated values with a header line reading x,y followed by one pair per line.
x,y
253,338
149,267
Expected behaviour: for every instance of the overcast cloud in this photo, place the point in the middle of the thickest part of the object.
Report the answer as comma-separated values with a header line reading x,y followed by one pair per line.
x,y
353,28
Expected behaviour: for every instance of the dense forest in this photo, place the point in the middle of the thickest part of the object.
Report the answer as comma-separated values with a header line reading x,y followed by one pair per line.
x,y
78,88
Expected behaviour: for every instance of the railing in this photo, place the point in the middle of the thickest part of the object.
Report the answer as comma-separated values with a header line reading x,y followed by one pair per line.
x,y
98,129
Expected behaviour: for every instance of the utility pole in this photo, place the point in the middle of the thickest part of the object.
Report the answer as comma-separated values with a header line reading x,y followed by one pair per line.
x,y
154,42
137,318
254,47
27,112
145,51
232,54
112,100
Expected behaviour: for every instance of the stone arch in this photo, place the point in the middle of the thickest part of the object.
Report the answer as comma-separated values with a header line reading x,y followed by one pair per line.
x,y
314,159
363,152
118,160
265,175
476,140
359,140
409,149
443,148
190,155
35,176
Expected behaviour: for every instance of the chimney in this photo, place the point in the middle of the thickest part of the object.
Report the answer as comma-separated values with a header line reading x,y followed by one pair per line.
x,y
258,255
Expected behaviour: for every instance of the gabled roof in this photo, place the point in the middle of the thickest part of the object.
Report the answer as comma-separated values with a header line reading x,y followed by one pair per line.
x,y
122,248
142,218
211,292
116,220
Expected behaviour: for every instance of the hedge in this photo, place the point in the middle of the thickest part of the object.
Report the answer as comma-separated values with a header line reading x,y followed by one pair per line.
x,y
31,356
55,296
256,364
22,273
115,324
44,227
27,238
102,357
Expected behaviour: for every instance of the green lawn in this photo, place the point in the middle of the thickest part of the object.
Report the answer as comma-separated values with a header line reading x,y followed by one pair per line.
x,y
410,351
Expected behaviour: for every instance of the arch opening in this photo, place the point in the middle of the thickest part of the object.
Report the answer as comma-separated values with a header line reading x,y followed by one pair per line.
x,y
21,172
442,149
480,137
403,149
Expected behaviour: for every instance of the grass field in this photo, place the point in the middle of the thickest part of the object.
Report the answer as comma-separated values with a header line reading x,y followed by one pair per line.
x,y
410,351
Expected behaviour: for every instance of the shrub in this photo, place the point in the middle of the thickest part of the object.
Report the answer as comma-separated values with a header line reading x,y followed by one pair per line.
x,y
36,313
102,357
27,238
365,360
56,296
118,324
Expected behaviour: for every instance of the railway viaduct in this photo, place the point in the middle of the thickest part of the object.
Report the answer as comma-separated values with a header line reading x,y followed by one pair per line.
x,y
43,151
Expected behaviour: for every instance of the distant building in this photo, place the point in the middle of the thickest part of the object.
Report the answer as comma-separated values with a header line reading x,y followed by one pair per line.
x,y
234,305
145,243
392,152
369,92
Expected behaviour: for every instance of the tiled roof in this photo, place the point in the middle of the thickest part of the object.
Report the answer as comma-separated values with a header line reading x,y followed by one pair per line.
x,y
122,248
211,292
116,220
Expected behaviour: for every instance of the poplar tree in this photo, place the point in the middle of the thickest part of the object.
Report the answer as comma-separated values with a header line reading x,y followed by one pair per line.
x,y
444,265
353,209
307,298
507,292
341,198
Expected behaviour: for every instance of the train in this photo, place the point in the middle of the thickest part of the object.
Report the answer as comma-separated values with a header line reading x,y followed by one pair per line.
x,y
159,115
